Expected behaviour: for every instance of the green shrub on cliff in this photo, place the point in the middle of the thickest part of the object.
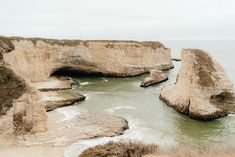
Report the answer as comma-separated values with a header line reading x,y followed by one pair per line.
x,y
11,87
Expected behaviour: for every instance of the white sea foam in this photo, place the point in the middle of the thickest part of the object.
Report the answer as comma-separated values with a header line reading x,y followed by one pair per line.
x,y
231,115
105,79
70,112
135,133
113,109
91,94
84,83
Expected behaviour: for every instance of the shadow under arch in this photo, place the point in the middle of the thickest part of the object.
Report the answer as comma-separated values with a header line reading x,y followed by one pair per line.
x,y
73,72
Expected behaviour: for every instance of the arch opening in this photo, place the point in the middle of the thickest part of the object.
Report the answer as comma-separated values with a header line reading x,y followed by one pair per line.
x,y
73,72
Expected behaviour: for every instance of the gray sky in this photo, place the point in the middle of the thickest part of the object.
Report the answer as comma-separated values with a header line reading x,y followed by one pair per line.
x,y
119,19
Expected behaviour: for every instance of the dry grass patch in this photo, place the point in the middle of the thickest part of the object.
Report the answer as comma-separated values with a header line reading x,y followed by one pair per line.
x,y
119,149
133,149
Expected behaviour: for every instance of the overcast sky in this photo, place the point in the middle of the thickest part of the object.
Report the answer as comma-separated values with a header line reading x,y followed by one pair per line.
x,y
119,19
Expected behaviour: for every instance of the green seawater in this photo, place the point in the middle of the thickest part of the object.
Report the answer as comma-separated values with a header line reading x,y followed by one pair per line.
x,y
150,119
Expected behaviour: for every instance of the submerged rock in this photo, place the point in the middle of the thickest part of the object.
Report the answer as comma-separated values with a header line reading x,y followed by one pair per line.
x,y
202,89
156,76
56,99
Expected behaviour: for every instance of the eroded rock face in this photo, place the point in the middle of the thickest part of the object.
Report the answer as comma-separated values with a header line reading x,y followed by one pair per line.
x,y
202,90
156,76
29,114
20,104
37,59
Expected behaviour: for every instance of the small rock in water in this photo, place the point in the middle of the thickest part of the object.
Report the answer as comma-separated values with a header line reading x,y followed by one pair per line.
x,y
156,76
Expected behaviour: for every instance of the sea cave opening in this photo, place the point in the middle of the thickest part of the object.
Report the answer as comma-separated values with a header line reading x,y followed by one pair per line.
x,y
73,72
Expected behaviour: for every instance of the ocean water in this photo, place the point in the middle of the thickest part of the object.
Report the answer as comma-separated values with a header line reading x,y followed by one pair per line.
x,y
151,120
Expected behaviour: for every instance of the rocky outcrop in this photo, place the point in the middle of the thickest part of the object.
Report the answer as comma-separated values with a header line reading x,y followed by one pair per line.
x,y
55,93
102,125
19,103
56,99
52,85
202,90
29,114
156,76
38,59
84,126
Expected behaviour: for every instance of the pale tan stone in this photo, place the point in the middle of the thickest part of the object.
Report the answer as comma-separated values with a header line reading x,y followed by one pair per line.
x,y
56,99
36,59
155,77
202,90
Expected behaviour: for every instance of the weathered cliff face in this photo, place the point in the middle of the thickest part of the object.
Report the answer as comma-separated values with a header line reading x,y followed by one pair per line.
x,y
202,90
20,104
37,59
25,62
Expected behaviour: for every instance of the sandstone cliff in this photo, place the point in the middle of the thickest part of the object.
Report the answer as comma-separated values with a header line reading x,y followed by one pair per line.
x,y
27,61
19,103
202,90
37,59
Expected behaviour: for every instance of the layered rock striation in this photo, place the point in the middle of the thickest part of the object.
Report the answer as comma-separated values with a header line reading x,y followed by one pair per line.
x,y
38,59
202,89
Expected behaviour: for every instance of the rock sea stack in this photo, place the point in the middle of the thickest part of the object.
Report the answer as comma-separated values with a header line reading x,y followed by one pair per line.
x,y
202,89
